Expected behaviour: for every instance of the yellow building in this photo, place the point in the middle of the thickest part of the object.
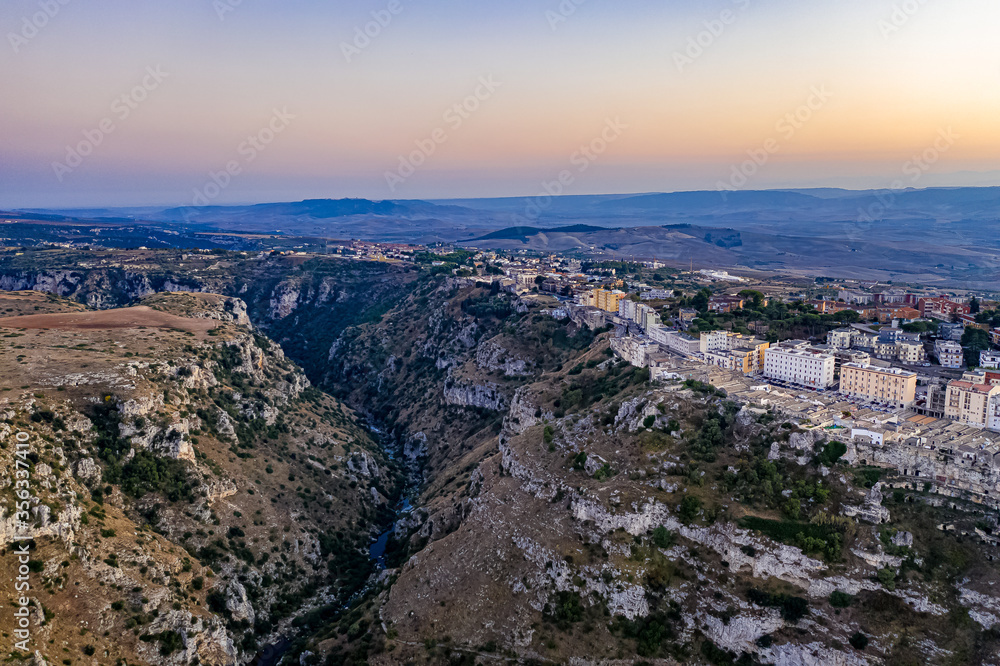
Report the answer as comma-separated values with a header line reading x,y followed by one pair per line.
x,y
970,403
887,385
748,355
607,300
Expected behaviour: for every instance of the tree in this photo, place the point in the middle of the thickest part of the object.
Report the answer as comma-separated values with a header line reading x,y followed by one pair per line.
x,y
755,297
974,305
662,537
847,316
888,578
700,300
974,340
690,508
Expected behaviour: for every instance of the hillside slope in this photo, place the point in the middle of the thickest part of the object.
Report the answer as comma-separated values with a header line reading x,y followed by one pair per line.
x,y
192,491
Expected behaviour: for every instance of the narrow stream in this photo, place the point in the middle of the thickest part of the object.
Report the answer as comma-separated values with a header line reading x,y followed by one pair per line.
x,y
377,550
272,654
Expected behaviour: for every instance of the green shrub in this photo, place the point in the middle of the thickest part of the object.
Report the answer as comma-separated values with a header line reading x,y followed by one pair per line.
x,y
792,608
689,509
663,538
887,577
841,599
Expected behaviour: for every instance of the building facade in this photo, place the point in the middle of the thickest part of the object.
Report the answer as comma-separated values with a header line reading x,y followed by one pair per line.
x,y
989,359
949,354
840,338
886,385
942,308
607,300
799,366
972,404
675,341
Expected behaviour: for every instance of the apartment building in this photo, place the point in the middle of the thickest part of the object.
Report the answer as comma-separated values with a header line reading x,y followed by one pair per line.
x,y
989,359
969,321
656,295
840,338
873,384
748,355
634,350
799,366
855,297
713,341
626,309
891,344
687,315
675,341
734,351
908,351
943,309
646,317
725,303
949,354
973,404
608,301
981,377
896,296
886,313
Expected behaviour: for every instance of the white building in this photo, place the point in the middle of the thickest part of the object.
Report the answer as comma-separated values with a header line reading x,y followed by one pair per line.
x,y
854,297
715,341
910,352
840,338
645,316
799,366
633,350
626,309
656,294
989,359
675,341
949,353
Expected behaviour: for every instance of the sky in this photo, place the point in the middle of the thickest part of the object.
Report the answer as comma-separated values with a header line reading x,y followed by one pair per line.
x,y
145,102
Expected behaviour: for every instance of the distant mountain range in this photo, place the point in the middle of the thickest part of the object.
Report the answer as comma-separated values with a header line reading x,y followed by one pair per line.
x,y
921,235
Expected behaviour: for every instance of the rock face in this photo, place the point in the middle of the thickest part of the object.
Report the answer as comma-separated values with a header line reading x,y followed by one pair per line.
x,y
490,356
87,470
486,396
284,300
872,510
903,539
521,414
362,463
237,603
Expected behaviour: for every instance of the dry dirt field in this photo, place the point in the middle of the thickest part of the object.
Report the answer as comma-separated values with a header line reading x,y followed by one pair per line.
x,y
140,316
